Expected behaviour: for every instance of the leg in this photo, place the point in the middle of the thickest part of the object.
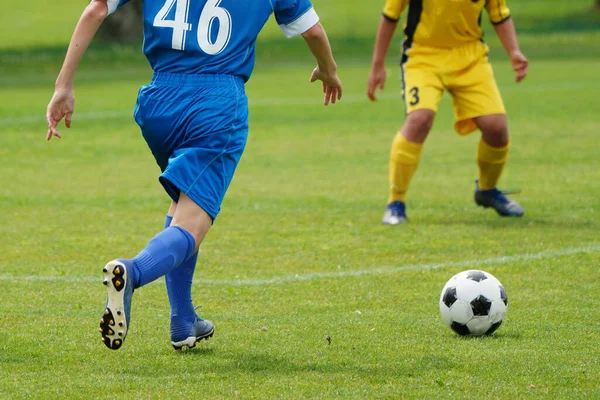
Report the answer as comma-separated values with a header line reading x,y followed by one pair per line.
x,y
192,218
492,152
478,104
179,280
417,125
404,159
422,90
406,149
195,175
179,289
186,326
166,251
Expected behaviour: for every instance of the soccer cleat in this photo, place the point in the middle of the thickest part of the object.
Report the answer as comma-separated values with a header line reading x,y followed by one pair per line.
x,y
395,214
115,318
497,200
185,333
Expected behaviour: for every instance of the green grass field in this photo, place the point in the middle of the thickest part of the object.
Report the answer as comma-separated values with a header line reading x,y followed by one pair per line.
x,y
298,252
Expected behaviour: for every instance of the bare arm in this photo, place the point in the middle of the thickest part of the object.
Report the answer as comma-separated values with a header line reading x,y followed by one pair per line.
x,y
326,70
378,75
508,36
62,103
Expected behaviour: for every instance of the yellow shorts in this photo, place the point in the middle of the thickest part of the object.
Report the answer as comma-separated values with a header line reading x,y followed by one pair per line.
x,y
464,72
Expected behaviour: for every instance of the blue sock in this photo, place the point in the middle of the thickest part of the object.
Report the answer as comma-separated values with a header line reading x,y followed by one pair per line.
x,y
179,285
167,250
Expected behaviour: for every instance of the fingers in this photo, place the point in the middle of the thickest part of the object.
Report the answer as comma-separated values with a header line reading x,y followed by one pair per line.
x,y
327,96
372,88
53,132
332,95
52,122
68,119
521,67
371,92
521,72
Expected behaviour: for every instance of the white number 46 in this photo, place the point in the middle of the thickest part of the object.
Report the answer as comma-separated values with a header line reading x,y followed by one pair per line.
x,y
181,26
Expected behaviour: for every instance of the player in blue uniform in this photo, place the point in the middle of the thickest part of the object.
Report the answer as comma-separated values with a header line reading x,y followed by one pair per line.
x,y
194,118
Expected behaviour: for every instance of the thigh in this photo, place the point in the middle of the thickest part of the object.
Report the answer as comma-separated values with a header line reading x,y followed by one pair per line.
x,y
157,113
196,128
422,84
475,93
203,164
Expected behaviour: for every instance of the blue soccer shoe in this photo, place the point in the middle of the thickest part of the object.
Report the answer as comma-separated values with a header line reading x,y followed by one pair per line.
x,y
187,333
497,200
395,214
115,320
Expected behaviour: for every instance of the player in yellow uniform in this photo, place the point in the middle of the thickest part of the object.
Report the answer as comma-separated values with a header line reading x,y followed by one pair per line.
x,y
444,50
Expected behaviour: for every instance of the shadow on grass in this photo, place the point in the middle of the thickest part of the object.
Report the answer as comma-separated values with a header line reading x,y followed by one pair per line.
x,y
525,223
498,336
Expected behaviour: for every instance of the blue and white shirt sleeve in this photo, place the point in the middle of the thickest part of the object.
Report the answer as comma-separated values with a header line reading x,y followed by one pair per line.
x,y
295,16
114,5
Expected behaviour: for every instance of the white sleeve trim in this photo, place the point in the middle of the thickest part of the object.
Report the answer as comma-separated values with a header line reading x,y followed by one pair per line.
x,y
112,6
301,24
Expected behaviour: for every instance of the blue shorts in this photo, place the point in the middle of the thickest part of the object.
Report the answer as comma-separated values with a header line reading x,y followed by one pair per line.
x,y
196,127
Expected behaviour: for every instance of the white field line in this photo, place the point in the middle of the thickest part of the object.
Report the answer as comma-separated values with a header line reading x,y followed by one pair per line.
x,y
465,264
298,101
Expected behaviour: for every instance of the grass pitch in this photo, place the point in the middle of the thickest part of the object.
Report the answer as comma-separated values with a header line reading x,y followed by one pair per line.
x,y
298,253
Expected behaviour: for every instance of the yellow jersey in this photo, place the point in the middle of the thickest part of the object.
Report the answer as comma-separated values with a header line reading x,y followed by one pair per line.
x,y
444,23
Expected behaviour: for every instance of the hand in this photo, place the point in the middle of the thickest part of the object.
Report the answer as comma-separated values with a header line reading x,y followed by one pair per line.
x,y
519,64
376,79
61,106
332,86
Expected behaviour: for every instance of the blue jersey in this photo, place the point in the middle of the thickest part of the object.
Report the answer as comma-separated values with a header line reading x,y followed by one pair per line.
x,y
214,36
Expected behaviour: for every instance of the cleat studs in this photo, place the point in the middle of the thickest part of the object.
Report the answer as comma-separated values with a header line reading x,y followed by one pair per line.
x,y
110,332
117,342
118,312
101,322
120,333
100,330
120,324
106,312
117,271
103,339
111,322
117,283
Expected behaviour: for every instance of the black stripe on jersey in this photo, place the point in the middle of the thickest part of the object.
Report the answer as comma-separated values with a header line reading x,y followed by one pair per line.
x,y
479,23
405,47
502,21
415,9
389,18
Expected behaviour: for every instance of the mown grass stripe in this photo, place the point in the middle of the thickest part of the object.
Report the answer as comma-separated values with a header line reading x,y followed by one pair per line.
x,y
473,263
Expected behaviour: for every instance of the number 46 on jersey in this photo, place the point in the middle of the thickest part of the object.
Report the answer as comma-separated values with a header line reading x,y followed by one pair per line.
x,y
181,26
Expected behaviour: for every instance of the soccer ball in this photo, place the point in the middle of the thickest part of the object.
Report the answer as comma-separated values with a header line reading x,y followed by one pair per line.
x,y
473,303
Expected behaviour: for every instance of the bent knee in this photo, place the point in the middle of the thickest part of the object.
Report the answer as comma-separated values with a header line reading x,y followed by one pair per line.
x,y
493,125
418,122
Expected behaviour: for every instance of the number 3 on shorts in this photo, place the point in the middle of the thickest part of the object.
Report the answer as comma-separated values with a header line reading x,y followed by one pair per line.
x,y
415,96
180,25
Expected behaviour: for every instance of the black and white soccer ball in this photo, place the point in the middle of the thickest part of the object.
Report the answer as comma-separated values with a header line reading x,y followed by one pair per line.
x,y
473,303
